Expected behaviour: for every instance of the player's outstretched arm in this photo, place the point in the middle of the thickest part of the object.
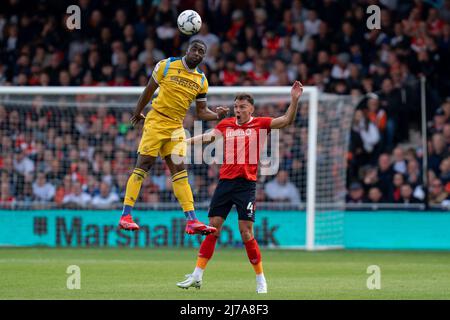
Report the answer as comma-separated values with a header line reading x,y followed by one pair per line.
x,y
207,137
144,99
204,113
289,117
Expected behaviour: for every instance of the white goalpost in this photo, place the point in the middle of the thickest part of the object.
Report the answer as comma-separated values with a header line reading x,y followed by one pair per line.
x,y
323,125
312,168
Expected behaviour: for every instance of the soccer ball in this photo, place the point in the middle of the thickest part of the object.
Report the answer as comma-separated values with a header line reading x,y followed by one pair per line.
x,y
189,22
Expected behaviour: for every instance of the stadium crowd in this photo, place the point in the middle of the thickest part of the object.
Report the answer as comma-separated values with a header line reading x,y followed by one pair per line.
x,y
83,157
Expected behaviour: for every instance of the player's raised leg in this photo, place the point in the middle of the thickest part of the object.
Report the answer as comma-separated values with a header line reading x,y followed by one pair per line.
x,y
183,193
205,254
143,165
253,253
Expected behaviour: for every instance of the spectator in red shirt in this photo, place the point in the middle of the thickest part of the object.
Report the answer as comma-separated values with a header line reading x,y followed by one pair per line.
x,y
398,181
6,199
229,76
272,42
376,115
236,25
120,80
259,75
434,23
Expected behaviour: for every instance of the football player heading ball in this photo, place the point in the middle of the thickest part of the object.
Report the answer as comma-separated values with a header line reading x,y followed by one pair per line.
x,y
180,81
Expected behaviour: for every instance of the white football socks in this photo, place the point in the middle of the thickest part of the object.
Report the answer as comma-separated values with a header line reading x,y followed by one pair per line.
x,y
260,278
198,273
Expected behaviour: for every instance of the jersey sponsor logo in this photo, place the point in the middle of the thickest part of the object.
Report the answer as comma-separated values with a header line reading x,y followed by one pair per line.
x,y
187,83
239,133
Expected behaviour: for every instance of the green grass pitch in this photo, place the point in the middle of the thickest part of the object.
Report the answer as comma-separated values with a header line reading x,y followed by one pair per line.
x,y
40,273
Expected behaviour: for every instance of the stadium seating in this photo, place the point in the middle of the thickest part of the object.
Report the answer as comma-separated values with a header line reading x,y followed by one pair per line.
x,y
288,40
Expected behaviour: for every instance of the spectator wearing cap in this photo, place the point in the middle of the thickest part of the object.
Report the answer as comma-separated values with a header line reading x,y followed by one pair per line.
x,y
356,193
439,121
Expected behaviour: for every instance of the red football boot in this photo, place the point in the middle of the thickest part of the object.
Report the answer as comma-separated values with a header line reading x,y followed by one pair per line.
x,y
127,223
197,227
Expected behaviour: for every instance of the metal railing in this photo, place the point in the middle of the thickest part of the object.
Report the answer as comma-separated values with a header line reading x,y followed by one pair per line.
x,y
275,206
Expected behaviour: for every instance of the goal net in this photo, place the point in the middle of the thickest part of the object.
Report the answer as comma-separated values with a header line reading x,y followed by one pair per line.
x,y
63,144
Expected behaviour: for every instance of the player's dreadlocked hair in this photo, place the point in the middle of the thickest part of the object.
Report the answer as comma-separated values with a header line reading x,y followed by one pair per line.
x,y
198,41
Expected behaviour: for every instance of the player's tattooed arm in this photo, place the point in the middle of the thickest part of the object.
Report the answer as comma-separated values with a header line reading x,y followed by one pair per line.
x,y
289,117
204,113
144,99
